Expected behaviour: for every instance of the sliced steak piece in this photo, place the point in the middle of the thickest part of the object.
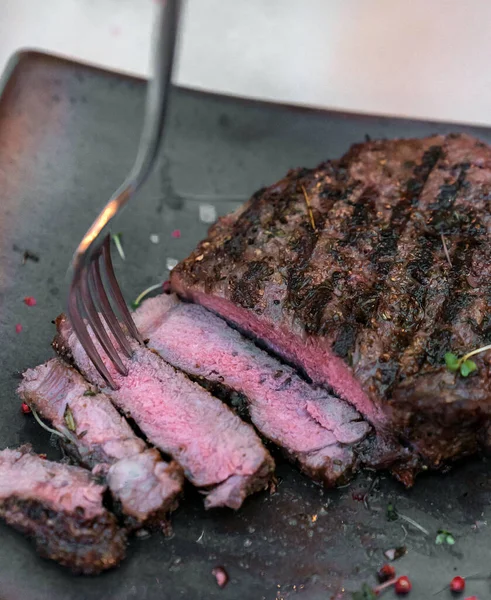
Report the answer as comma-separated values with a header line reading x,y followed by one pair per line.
x,y
100,438
60,507
342,270
221,455
315,429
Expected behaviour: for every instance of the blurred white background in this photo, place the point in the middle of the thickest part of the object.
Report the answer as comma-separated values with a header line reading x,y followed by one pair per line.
x,y
425,59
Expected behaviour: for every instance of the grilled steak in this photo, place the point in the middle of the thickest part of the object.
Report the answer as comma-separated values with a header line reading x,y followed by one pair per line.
x,y
60,507
220,454
315,429
101,439
342,270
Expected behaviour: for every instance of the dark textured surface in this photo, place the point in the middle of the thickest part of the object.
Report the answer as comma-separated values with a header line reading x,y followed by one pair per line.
x,y
86,546
370,286
67,136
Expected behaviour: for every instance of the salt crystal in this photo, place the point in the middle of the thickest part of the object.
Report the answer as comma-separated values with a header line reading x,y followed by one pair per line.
x,y
170,263
154,238
207,213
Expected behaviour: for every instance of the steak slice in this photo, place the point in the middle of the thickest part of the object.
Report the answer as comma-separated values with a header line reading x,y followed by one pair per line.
x,y
101,439
316,430
220,455
60,507
342,271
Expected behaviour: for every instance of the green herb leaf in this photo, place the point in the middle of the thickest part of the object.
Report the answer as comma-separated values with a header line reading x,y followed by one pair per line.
x,y
444,537
391,512
467,367
452,362
117,242
89,393
366,593
136,303
69,420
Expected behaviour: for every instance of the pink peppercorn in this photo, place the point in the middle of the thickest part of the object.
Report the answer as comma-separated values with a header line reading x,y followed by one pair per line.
x,y
221,576
403,585
30,301
457,585
18,328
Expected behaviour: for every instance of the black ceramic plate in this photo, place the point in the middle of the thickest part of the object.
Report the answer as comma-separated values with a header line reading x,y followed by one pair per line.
x,y
68,135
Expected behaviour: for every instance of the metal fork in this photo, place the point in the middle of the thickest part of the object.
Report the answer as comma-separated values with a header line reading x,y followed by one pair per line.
x,y
88,296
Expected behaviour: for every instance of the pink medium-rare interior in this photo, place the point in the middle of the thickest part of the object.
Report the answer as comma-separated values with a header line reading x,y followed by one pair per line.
x,y
138,477
179,417
64,488
283,407
319,363
144,483
53,386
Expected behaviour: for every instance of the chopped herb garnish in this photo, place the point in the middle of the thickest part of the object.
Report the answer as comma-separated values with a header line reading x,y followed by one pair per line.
x,y
89,393
463,364
136,303
44,426
445,249
366,593
117,242
309,208
444,537
467,367
391,512
69,420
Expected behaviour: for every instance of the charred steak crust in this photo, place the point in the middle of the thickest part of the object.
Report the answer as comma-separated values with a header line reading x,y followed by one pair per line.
x,y
60,507
86,546
363,298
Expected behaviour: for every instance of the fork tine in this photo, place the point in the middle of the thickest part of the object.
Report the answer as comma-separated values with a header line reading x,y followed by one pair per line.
x,y
97,326
81,332
107,312
116,292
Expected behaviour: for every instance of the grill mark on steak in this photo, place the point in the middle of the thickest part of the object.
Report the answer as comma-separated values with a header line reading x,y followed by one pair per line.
x,y
247,291
308,292
388,295
402,211
406,297
384,254
454,297
397,298
363,213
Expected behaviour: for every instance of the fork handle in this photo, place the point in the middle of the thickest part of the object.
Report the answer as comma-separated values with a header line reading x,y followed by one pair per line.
x,y
153,127
158,91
